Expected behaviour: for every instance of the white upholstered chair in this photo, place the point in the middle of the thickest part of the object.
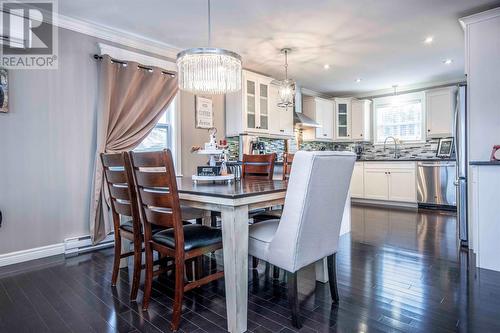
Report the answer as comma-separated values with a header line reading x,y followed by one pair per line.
x,y
309,228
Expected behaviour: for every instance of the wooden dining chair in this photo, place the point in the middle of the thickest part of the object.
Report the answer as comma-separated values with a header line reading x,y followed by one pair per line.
x,y
258,166
276,213
309,228
159,204
123,200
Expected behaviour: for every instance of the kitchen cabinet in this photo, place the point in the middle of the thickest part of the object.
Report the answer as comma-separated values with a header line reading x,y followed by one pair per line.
x,y
361,120
342,118
390,181
440,109
376,184
357,181
321,110
280,119
247,111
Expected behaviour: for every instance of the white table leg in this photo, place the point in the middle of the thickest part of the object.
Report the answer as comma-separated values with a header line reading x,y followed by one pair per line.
x,y
235,242
207,218
321,270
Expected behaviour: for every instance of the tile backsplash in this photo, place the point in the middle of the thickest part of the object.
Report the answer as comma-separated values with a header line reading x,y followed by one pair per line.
x,y
370,151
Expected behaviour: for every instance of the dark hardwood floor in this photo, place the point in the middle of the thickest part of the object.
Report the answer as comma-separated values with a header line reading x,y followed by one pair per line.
x,y
398,271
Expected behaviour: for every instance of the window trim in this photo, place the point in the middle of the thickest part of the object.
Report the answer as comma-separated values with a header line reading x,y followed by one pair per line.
x,y
173,133
385,101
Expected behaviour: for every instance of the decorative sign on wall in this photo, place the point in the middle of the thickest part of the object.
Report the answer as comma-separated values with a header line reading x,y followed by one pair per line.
x,y
204,112
4,91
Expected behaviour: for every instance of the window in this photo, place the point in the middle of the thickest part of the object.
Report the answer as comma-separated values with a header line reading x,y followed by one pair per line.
x,y
160,137
400,116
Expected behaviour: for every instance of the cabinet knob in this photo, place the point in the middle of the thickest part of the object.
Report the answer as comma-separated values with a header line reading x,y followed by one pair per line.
x,y
428,130
324,134
361,134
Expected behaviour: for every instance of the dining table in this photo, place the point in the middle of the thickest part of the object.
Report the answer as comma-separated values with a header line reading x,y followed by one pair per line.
x,y
234,200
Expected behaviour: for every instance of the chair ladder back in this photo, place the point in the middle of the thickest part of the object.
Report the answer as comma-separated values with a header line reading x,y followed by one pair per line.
x,y
287,165
258,166
157,191
121,189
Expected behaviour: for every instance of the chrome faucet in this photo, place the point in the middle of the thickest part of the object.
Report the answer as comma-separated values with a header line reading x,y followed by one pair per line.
x,y
395,145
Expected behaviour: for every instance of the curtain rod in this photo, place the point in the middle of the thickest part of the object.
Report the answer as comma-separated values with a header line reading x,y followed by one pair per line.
x,y
122,62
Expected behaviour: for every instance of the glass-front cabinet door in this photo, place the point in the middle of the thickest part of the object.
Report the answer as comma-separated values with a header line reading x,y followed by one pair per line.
x,y
256,99
251,99
342,119
264,106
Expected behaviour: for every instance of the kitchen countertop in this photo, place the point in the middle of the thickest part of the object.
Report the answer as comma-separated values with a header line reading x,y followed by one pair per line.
x,y
407,160
484,163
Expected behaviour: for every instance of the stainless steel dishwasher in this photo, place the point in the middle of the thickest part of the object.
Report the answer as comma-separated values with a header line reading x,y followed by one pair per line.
x,y
435,184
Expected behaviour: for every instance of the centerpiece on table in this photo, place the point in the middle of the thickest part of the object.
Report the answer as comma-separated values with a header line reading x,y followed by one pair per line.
x,y
216,152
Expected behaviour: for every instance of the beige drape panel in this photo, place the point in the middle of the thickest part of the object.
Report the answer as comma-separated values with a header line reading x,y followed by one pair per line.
x,y
130,103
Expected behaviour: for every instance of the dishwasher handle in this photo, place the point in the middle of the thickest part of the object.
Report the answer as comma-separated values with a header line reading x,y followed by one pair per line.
x,y
436,164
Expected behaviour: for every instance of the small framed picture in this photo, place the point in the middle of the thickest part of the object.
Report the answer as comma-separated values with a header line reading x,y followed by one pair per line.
x,y
445,148
204,116
495,153
4,91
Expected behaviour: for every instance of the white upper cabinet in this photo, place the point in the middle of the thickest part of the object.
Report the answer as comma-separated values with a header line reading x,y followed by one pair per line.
x,y
247,111
361,120
440,107
321,110
343,118
254,109
280,119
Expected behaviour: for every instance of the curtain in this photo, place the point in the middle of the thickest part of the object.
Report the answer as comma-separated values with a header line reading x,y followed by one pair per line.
x,y
131,100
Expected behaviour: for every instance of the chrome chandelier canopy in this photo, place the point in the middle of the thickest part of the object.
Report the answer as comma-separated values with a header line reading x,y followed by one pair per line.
x,y
209,70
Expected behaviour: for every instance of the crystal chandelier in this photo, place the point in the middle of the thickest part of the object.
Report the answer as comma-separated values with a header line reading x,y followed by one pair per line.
x,y
286,87
209,70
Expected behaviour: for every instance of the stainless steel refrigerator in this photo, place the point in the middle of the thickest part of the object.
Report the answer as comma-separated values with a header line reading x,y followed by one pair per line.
x,y
460,134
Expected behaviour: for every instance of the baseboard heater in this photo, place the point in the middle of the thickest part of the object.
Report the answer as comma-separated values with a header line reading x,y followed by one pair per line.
x,y
77,245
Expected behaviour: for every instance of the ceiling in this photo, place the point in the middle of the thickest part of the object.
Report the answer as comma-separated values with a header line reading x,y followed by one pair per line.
x,y
380,41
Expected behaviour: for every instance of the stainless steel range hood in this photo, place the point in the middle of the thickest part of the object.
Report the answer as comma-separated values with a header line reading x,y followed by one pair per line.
x,y
300,120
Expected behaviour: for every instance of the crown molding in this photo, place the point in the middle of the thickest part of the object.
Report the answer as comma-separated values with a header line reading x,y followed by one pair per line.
x,y
479,17
309,92
127,55
118,36
113,35
408,88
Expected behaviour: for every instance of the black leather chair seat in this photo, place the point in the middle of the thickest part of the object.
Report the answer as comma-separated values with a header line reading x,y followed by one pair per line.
x,y
195,236
267,215
128,226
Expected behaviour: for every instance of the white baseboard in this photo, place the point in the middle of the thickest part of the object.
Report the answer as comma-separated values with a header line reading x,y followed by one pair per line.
x,y
31,254
396,204
70,247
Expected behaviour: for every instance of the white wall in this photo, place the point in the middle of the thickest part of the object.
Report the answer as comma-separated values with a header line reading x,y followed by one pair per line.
x,y
483,59
47,146
482,51
192,136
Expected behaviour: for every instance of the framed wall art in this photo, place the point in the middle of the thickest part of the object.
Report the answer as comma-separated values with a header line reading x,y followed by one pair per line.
x,y
204,116
4,90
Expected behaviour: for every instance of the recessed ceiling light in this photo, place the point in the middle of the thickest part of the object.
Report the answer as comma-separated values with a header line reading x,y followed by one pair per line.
x,y
358,80
447,61
429,40
326,66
